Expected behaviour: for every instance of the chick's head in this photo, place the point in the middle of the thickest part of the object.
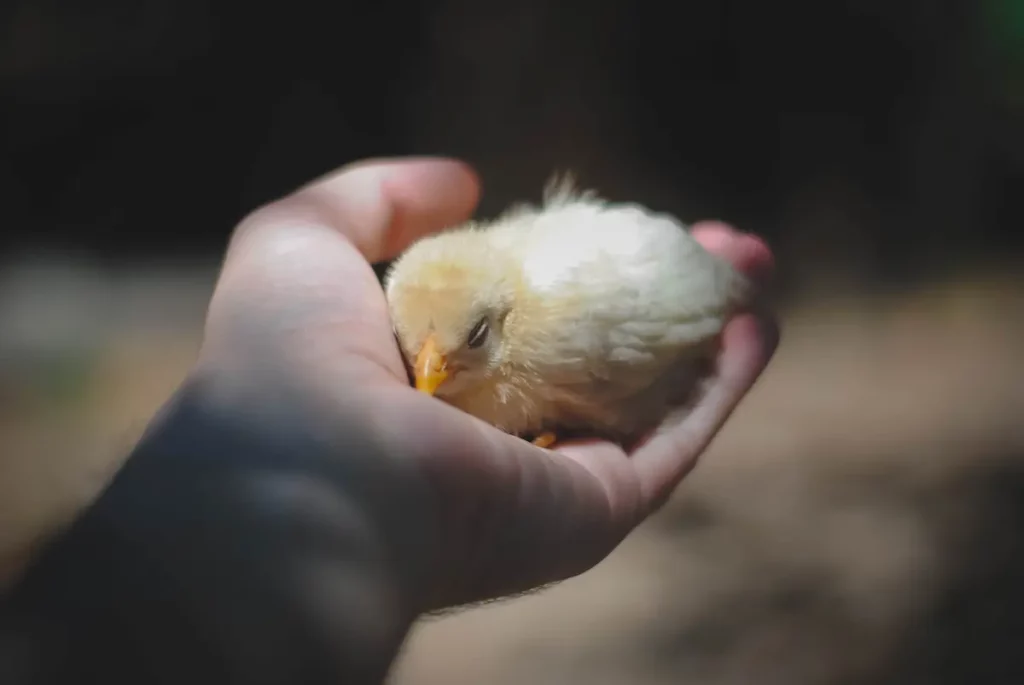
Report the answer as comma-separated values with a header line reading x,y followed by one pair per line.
x,y
450,299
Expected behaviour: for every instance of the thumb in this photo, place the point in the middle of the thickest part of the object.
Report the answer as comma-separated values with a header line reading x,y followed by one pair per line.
x,y
380,206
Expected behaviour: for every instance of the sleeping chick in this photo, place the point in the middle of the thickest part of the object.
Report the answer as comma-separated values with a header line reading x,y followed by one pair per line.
x,y
578,317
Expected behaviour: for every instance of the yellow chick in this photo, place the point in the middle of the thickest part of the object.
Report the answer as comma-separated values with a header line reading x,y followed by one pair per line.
x,y
579,317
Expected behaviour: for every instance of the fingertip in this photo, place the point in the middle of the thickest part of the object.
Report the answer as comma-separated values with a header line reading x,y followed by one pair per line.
x,y
748,253
429,194
755,258
713,233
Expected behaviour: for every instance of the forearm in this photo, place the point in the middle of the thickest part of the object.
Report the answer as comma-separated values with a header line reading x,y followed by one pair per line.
x,y
219,554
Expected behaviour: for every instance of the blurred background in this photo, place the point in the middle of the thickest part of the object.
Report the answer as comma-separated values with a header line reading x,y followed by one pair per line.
x,y
857,522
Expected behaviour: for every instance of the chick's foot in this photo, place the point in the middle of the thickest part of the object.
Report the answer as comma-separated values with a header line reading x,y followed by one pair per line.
x,y
545,440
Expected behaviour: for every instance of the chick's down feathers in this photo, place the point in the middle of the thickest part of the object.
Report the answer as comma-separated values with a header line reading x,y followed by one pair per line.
x,y
579,316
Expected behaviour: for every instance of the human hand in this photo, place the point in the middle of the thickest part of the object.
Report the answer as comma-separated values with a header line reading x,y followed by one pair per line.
x,y
297,504
299,306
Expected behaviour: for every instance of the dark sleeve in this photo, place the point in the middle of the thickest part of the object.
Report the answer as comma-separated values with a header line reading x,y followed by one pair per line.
x,y
218,554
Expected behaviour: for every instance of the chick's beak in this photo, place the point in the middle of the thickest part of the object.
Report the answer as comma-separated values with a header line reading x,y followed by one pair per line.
x,y
431,367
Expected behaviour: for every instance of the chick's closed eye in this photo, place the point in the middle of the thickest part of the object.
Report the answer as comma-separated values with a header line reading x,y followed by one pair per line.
x,y
578,315
478,335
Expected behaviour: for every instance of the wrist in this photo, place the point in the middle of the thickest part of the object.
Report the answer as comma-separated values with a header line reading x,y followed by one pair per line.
x,y
329,444
233,544
300,515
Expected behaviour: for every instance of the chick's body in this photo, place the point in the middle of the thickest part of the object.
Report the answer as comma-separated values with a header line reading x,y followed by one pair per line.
x,y
594,315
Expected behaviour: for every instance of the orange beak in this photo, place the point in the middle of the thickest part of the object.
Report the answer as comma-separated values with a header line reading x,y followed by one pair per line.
x,y
431,367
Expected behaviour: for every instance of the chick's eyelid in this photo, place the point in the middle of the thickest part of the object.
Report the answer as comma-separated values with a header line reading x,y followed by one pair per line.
x,y
477,334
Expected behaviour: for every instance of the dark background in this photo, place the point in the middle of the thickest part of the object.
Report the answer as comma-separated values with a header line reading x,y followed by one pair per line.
x,y
885,135
858,521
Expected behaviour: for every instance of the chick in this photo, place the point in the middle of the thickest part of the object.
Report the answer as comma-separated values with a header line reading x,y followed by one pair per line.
x,y
579,317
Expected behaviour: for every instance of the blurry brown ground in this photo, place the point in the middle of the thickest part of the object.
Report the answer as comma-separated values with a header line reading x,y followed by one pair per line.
x,y
857,518
856,523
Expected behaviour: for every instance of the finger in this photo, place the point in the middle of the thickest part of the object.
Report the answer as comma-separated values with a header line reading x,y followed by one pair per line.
x,y
381,206
747,253
748,343
662,462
